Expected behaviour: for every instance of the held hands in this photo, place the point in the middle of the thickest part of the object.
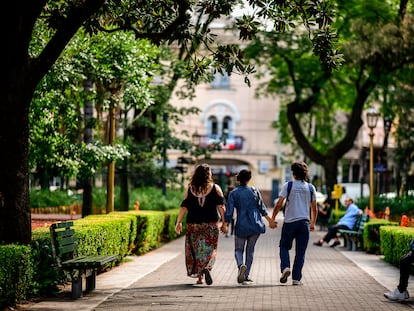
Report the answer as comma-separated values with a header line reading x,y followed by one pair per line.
x,y
224,228
272,223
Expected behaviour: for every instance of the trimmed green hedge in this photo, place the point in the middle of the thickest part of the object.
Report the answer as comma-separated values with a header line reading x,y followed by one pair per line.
x,y
372,236
28,271
394,242
16,273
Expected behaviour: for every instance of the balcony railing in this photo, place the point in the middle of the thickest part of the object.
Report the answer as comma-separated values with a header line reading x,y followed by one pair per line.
x,y
230,143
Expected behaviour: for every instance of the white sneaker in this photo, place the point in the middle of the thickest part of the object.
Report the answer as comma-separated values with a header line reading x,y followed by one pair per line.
x,y
296,282
396,295
248,282
285,275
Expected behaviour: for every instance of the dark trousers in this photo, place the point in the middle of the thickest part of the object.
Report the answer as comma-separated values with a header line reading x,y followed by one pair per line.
x,y
332,231
405,270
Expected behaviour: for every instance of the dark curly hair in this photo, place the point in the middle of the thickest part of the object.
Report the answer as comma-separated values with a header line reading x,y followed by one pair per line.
x,y
300,170
201,178
244,176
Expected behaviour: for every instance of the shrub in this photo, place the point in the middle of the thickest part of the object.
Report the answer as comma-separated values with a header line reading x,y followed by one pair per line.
x,y
16,273
46,198
372,236
394,242
152,199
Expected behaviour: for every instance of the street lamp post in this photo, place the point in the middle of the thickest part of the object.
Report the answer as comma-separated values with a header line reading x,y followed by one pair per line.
x,y
372,119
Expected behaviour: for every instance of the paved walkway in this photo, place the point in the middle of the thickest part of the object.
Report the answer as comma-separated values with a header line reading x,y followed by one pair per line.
x,y
334,279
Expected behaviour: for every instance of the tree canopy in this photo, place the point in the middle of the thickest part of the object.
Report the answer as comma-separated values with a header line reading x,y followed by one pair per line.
x,y
324,109
161,22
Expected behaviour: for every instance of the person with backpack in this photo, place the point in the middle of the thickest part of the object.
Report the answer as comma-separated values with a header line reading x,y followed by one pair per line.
x,y
300,213
250,210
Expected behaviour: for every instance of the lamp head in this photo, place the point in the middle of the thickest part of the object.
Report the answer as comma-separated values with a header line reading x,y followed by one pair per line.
x,y
372,118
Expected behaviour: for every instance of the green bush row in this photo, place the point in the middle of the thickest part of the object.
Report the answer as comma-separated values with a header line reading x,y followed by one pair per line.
x,y
395,242
372,235
16,273
149,198
29,271
402,205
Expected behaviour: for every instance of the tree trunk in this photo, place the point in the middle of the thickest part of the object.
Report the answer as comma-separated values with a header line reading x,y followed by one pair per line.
x,y
123,172
87,195
330,167
330,157
15,216
124,194
111,165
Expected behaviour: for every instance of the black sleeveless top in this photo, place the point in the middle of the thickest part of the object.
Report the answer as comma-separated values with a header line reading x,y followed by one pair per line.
x,y
205,213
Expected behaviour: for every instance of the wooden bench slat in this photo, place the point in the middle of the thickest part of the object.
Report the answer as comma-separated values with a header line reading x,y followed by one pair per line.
x,y
65,224
89,261
67,249
65,233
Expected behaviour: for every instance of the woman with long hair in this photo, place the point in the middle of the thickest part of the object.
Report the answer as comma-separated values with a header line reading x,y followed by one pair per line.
x,y
203,203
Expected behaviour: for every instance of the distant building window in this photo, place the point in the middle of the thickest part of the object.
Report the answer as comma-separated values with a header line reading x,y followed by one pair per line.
x,y
220,118
227,126
221,81
212,127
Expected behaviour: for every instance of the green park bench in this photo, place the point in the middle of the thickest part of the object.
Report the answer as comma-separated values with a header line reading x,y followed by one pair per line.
x,y
64,247
353,239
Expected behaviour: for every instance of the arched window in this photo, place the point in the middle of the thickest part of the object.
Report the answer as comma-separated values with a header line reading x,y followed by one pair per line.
x,y
227,127
212,127
220,118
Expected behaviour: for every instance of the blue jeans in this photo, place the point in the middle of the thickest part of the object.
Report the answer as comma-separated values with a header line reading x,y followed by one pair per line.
x,y
298,231
240,244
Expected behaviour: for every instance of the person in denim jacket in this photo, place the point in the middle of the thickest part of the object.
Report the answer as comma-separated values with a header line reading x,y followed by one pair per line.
x,y
250,209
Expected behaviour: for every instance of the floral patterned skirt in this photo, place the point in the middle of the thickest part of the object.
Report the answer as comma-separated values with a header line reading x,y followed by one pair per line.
x,y
201,242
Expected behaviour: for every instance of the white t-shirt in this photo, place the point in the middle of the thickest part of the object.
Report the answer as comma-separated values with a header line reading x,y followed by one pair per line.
x,y
299,200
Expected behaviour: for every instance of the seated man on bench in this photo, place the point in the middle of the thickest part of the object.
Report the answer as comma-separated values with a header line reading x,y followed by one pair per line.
x,y
406,260
346,222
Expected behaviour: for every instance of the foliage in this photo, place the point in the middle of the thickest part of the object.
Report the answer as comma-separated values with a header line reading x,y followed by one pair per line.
x,y
16,274
152,199
395,242
55,140
161,22
399,206
371,234
149,198
47,198
46,276
324,109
